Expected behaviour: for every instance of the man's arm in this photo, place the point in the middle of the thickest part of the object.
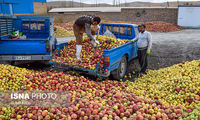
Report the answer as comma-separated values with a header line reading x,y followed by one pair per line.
x,y
88,31
136,39
149,38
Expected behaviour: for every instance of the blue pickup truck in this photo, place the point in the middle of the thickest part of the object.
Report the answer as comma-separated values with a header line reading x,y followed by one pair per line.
x,y
37,41
115,60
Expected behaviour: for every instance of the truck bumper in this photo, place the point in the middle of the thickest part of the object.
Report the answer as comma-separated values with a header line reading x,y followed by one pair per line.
x,y
24,57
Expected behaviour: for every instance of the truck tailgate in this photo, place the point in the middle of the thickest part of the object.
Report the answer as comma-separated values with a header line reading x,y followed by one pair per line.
x,y
23,47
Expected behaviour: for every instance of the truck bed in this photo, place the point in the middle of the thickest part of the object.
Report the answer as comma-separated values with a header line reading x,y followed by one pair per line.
x,y
39,43
115,54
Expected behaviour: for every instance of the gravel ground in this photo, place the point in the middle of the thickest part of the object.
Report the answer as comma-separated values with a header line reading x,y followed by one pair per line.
x,y
174,47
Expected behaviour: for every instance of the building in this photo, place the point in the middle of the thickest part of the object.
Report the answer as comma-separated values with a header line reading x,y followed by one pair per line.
x,y
189,16
16,7
85,9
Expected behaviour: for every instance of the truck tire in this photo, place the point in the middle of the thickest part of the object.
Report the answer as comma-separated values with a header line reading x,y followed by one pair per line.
x,y
121,70
45,62
55,42
12,63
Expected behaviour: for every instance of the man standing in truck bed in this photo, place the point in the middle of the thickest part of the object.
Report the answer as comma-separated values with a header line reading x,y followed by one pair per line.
x,y
82,25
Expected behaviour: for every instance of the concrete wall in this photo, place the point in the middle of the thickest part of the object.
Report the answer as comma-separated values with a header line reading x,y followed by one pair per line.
x,y
40,8
151,14
127,14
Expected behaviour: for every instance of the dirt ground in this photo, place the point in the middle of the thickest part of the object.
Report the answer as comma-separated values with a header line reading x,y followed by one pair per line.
x,y
174,47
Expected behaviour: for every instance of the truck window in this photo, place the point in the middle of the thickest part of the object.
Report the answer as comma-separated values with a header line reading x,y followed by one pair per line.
x,y
105,27
108,27
129,30
136,31
122,30
41,26
25,26
115,29
33,26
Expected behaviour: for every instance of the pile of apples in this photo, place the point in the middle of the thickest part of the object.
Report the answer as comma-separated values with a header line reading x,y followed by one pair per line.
x,y
90,100
194,115
64,29
67,26
159,26
61,32
175,85
154,26
12,78
168,93
90,56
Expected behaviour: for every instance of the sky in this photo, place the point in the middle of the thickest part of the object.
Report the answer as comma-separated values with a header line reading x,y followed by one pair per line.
x,y
121,1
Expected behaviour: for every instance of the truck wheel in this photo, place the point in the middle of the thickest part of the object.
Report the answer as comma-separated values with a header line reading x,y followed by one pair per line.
x,y
12,63
55,42
45,62
121,70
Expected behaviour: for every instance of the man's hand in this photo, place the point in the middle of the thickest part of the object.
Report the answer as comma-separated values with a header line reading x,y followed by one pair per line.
x,y
134,40
148,52
97,41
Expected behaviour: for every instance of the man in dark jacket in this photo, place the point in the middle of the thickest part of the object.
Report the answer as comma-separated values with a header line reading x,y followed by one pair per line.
x,y
82,25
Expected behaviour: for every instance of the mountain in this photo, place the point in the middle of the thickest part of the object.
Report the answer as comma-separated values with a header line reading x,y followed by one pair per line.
x,y
63,4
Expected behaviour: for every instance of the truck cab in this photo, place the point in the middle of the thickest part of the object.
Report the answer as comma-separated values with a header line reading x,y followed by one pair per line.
x,y
35,43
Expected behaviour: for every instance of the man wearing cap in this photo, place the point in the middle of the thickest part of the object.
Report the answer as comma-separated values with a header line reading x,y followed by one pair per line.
x,y
144,43
82,25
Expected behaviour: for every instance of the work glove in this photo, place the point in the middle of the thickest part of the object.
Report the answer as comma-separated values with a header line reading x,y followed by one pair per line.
x,y
98,27
95,39
148,52
132,40
94,43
